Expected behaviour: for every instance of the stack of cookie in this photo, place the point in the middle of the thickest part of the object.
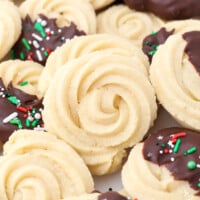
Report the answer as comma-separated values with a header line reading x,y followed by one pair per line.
x,y
81,85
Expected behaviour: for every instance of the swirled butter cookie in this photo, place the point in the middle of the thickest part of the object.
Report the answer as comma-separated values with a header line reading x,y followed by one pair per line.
x,y
165,166
175,73
19,104
10,26
100,104
152,42
37,165
87,44
170,9
80,12
123,21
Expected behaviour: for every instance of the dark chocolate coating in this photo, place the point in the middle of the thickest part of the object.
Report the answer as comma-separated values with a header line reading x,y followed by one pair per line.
x,y
6,107
161,149
111,196
168,9
193,48
47,38
152,41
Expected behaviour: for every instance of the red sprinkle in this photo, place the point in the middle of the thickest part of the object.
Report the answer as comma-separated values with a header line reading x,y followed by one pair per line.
x,y
166,151
177,135
22,109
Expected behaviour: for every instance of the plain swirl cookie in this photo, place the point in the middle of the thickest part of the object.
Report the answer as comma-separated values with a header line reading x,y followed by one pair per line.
x,y
10,25
123,21
79,12
174,73
164,166
100,104
87,44
37,165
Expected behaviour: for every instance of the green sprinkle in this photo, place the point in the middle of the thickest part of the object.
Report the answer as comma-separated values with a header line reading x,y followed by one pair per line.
x,y
33,111
35,123
177,145
13,100
46,53
28,123
190,151
151,53
16,122
198,184
23,83
153,33
26,44
38,27
148,43
155,46
12,54
191,165
163,145
22,56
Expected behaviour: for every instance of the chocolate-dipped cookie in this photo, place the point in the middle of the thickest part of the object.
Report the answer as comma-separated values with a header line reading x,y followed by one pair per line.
x,y
174,73
20,105
167,9
170,160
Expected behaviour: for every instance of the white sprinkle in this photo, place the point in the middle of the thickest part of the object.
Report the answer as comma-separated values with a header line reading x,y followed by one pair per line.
x,y
40,109
36,44
47,30
42,49
161,152
39,55
170,151
30,42
43,22
2,89
198,165
59,30
52,32
10,117
149,155
172,159
37,37
160,137
39,128
37,116
47,38
3,96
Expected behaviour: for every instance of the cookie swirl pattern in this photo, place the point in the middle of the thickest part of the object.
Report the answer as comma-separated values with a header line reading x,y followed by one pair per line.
x,y
79,12
40,166
100,104
121,20
175,77
87,44
10,26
